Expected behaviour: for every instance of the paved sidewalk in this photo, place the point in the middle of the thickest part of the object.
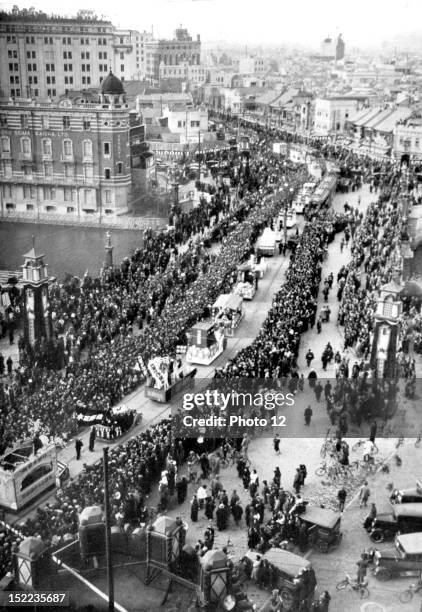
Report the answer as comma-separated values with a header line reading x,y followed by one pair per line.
x,y
332,332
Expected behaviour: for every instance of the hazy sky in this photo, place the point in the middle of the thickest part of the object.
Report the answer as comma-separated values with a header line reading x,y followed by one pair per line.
x,y
362,22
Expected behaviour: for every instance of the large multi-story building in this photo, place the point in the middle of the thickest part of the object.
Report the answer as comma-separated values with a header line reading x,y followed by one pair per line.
x,y
72,157
43,56
182,49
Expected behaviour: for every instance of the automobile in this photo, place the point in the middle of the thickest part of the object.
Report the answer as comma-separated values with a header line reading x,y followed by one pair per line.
x,y
323,526
405,560
413,495
403,518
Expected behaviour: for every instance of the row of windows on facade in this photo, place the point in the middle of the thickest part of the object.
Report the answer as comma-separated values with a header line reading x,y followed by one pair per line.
x,y
49,193
45,122
66,68
69,171
47,148
49,40
407,142
193,124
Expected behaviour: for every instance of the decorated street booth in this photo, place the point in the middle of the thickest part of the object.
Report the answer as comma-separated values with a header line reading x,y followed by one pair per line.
x,y
247,282
25,476
266,242
295,578
166,377
206,342
227,310
323,527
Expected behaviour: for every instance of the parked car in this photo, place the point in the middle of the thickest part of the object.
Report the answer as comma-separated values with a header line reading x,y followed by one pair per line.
x,y
413,495
404,518
405,560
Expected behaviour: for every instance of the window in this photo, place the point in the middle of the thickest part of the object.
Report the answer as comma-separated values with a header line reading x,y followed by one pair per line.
x,y
26,146
5,144
3,120
107,173
46,146
29,207
122,56
69,171
119,167
66,123
27,171
108,196
36,93
51,80
30,40
87,196
67,148
70,209
106,149
87,148
88,171
48,40
121,40
51,93
122,67
48,169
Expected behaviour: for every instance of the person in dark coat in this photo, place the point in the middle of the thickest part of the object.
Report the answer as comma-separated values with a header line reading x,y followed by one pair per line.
x,y
237,512
253,538
9,364
276,444
209,536
92,436
78,447
297,482
246,478
308,415
36,443
221,516
303,473
194,509
179,491
209,508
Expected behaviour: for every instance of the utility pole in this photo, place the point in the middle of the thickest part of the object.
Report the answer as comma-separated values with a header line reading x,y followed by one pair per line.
x,y
199,151
110,580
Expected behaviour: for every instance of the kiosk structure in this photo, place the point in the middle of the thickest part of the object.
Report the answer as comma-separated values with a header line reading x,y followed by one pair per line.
x,y
247,282
206,342
24,476
227,310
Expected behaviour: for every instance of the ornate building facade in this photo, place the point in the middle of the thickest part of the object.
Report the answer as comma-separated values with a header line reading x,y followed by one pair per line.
x,y
71,158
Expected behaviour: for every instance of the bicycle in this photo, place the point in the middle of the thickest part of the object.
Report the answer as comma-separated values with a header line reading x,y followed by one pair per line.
x,y
360,443
407,595
400,442
328,446
353,585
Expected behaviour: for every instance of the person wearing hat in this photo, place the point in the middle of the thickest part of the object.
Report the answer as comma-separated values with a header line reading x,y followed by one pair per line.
x,y
221,516
78,448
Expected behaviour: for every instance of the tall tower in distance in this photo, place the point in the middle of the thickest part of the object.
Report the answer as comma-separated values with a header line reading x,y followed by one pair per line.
x,y
340,48
37,317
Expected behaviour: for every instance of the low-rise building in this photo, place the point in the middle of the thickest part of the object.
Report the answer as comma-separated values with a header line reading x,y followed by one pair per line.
x,y
408,137
333,112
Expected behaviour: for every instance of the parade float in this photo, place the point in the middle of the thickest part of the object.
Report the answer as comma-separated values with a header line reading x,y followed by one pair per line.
x,y
266,242
166,377
205,342
24,476
227,311
247,283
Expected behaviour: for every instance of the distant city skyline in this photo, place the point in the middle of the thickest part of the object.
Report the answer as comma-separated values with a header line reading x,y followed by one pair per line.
x,y
267,22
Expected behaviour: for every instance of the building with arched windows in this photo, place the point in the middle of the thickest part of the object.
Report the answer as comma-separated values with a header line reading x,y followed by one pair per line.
x,y
72,157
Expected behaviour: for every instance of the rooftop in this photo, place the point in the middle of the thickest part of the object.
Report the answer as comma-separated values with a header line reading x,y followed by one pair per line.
x,y
40,16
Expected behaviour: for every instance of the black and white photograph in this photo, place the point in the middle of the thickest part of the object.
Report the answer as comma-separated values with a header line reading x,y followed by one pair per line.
x,y
211,306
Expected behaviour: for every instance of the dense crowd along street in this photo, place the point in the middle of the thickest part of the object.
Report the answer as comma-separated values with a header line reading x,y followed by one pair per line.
x,y
143,307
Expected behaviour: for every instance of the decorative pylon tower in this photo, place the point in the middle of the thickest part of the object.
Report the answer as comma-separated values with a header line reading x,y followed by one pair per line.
x,y
37,316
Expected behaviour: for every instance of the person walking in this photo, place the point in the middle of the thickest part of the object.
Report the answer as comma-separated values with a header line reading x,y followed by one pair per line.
x,y
9,365
309,357
308,415
276,444
194,509
341,496
78,447
297,482
92,436
364,494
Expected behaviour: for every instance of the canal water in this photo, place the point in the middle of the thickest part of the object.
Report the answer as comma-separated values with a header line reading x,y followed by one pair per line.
x,y
67,249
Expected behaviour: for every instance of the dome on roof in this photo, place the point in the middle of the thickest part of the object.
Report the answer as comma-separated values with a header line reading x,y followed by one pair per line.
x,y
112,85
